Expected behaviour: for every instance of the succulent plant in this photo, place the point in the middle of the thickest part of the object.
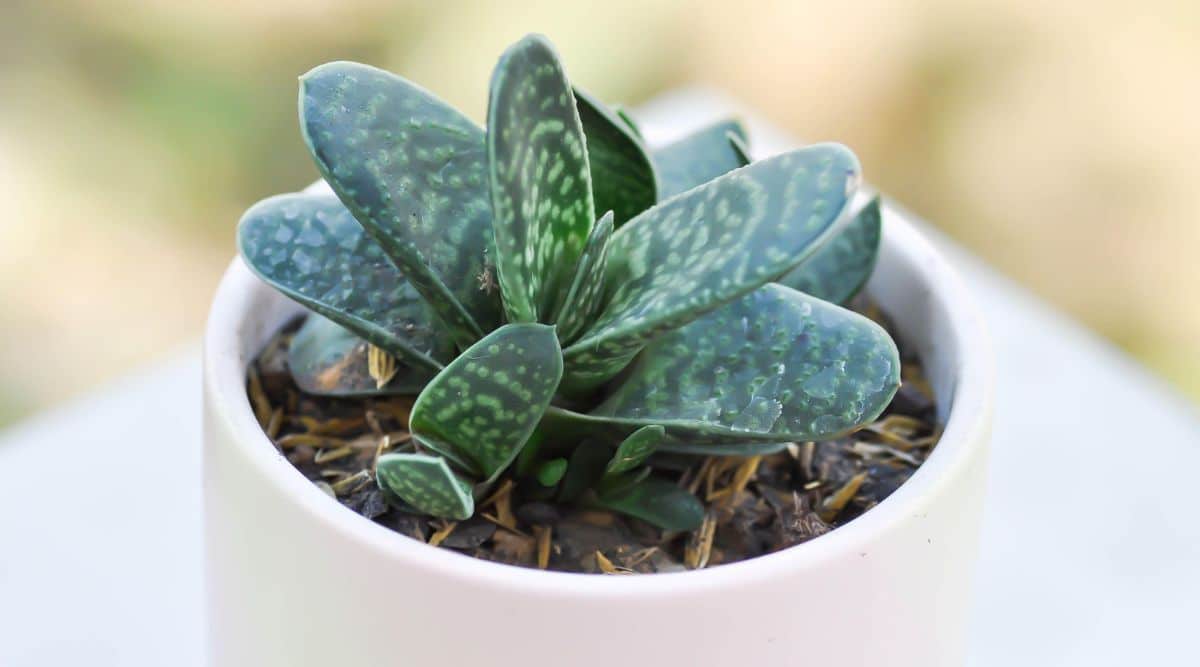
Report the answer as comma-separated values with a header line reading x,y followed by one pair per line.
x,y
569,307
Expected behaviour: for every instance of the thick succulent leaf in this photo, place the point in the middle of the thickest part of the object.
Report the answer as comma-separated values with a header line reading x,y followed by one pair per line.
x,y
634,450
708,246
310,248
587,287
585,468
659,502
485,404
697,158
623,178
541,189
776,365
842,266
413,171
427,483
550,472
328,360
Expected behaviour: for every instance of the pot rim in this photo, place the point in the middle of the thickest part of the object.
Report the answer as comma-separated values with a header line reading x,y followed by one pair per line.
x,y
965,428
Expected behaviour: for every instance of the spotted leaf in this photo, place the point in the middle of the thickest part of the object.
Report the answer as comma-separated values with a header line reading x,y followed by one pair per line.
x,y
843,264
708,246
427,483
480,410
776,365
587,287
413,172
310,248
634,450
657,501
697,158
326,359
623,177
541,189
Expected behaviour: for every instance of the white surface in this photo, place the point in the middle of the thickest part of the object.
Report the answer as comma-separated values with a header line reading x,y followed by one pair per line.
x,y
1091,546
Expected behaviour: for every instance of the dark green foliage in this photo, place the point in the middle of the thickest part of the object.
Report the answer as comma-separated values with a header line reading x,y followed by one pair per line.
x,y
426,483
698,158
658,501
774,365
482,407
708,246
541,188
635,449
414,172
623,178
310,248
648,297
587,286
842,266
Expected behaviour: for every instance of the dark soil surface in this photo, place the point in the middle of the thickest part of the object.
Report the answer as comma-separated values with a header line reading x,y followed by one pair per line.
x,y
756,505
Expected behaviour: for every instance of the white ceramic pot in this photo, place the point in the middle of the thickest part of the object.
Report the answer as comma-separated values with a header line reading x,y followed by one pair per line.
x,y
296,579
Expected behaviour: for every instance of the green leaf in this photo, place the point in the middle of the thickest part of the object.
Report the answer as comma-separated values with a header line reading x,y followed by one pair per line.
x,y
659,502
550,472
326,359
623,178
541,189
587,287
697,158
708,246
413,172
613,483
634,450
776,365
842,266
722,448
482,408
310,248
426,483
585,468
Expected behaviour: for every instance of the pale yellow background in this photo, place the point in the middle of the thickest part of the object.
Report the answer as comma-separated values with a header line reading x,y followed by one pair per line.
x,y
1059,140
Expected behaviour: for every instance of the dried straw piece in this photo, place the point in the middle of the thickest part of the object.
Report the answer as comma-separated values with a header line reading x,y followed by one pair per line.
x,y
328,455
258,398
351,483
275,423
543,533
502,500
332,426
381,366
606,566
842,497
444,532
699,547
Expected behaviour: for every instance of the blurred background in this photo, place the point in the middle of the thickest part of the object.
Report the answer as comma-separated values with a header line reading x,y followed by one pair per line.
x,y
1058,140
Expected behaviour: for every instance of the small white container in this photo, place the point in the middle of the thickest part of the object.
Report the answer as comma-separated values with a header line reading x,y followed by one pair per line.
x,y
295,579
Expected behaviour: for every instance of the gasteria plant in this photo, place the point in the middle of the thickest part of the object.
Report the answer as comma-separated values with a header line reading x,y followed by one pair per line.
x,y
569,307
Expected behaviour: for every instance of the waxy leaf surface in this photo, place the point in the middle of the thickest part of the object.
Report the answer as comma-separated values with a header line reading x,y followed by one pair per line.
x,y
587,287
774,365
708,246
427,483
483,406
541,190
697,158
658,501
413,171
634,450
311,248
843,264
623,178
329,360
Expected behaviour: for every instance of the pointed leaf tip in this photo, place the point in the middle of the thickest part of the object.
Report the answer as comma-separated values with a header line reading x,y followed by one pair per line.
x,y
427,483
540,184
